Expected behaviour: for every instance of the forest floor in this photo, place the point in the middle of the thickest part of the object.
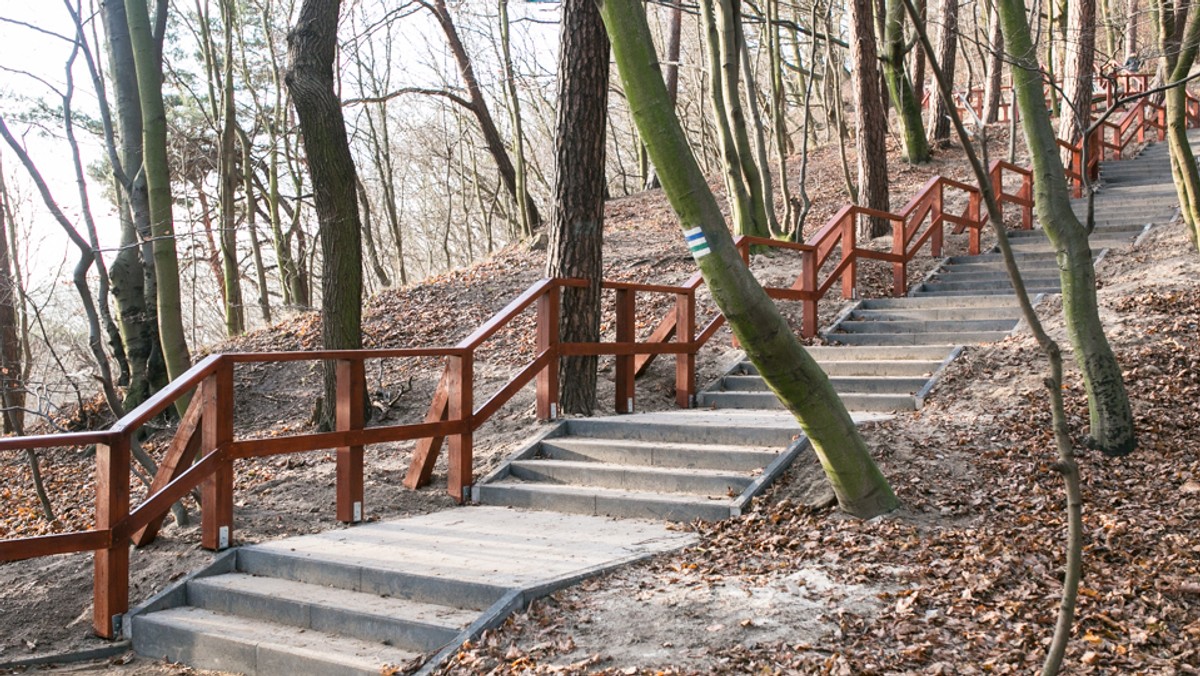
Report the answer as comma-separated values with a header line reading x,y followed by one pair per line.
x,y
963,579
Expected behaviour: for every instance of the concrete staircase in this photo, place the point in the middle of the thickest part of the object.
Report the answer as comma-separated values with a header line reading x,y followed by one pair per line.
x,y
677,465
354,601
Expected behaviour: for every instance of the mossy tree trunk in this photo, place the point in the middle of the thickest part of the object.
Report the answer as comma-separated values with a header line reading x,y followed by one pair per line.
x,y
147,58
786,367
1108,404
900,88
1179,53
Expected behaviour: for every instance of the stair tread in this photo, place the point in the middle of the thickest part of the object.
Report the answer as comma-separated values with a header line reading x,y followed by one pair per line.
x,y
678,498
665,445
320,647
431,614
641,469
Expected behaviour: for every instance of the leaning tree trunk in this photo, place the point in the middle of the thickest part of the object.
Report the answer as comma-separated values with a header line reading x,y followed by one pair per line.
x,y
900,89
870,119
148,63
947,47
1110,415
577,228
787,368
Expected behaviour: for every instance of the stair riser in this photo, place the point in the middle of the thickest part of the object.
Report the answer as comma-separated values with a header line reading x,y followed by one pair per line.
x,y
842,385
515,496
984,287
996,292
175,644
750,400
368,580
918,303
701,434
918,339
965,325
345,621
728,459
934,315
606,477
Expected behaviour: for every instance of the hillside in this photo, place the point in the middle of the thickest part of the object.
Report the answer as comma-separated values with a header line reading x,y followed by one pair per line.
x,y
288,495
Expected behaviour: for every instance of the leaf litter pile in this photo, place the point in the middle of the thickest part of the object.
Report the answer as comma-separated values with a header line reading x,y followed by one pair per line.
x,y
966,578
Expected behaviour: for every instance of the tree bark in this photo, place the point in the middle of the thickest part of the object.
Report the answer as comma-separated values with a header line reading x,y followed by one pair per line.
x,y
1080,50
947,48
577,230
312,43
870,119
1111,418
231,272
993,92
787,368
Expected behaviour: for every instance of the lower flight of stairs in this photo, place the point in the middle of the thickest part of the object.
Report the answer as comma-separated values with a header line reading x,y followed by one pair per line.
x,y
271,613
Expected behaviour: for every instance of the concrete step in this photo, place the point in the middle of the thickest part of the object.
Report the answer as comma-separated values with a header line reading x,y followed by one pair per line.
x,y
659,454
984,286
996,257
941,338
920,302
699,482
993,292
923,327
362,577
994,275
936,313
604,501
210,640
881,367
682,428
824,353
766,400
410,625
843,384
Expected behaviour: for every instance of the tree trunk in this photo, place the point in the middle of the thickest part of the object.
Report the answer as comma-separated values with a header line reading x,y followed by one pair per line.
x,y
148,62
1110,415
577,231
1080,50
993,92
1178,58
1131,26
260,270
947,47
518,132
310,79
900,89
132,272
491,135
235,310
870,119
787,368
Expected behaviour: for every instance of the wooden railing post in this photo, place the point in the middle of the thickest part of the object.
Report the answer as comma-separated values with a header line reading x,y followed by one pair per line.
x,y
462,405
849,243
216,493
1026,196
808,284
685,362
111,565
624,375
351,389
935,220
899,267
547,339
973,201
